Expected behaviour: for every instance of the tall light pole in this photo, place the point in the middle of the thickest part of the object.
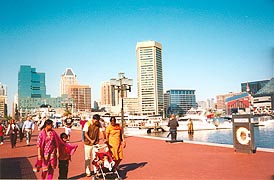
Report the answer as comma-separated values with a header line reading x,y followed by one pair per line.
x,y
122,84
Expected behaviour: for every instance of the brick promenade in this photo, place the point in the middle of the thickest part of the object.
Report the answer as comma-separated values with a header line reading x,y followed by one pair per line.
x,y
147,158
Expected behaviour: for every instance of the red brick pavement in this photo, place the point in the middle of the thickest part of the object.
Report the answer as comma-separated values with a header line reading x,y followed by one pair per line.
x,y
150,159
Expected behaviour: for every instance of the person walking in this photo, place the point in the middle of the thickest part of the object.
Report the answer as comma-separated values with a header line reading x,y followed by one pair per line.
x,y
116,140
2,131
93,130
173,124
66,151
28,127
20,125
82,124
12,132
48,150
68,122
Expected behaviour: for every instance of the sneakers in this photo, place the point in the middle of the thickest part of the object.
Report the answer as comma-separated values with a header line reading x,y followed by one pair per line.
x,y
88,175
1,143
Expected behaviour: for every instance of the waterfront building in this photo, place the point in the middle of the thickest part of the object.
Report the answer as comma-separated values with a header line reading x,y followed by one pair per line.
x,y
254,86
131,106
150,77
81,95
179,101
221,100
263,101
238,103
32,93
31,89
31,84
67,79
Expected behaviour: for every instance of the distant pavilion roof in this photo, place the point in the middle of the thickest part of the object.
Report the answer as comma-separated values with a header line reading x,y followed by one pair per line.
x,y
236,97
267,89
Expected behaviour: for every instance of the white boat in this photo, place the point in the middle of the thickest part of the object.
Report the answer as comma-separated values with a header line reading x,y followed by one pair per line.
x,y
199,119
263,120
224,123
141,124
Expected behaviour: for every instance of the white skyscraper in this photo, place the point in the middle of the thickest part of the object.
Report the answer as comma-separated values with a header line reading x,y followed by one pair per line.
x,y
67,79
150,77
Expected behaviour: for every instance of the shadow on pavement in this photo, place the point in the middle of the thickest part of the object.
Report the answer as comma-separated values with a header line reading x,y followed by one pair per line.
x,y
79,176
16,168
125,168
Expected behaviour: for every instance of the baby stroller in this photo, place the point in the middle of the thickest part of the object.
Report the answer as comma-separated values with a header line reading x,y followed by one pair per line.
x,y
104,163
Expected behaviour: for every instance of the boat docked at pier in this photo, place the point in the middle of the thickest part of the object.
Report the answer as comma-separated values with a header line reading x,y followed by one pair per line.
x,y
263,120
199,120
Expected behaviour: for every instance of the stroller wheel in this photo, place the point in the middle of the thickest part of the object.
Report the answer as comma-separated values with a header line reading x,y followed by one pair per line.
x,y
95,177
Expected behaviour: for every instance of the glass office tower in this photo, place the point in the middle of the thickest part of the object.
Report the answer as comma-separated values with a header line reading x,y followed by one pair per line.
x,y
31,84
179,101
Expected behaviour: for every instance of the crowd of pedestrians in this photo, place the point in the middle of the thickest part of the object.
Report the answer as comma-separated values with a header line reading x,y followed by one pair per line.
x,y
55,150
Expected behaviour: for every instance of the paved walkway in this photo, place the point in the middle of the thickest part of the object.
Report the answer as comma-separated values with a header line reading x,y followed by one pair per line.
x,y
147,158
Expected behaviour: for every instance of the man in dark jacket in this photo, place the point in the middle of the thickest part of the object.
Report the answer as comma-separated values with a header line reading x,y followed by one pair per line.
x,y
173,124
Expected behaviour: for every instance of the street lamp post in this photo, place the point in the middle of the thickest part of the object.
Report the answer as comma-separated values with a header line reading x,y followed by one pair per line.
x,y
122,84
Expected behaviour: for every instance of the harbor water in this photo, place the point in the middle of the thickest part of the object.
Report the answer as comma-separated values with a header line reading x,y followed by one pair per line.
x,y
263,136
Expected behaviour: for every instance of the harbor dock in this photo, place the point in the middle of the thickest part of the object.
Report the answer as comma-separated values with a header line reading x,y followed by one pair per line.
x,y
151,158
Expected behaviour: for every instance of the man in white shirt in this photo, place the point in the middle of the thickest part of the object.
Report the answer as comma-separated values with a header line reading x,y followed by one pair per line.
x,y
68,122
28,127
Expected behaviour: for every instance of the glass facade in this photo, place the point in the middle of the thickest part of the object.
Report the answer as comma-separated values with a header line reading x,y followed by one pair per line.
x,y
254,86
179,101
30,83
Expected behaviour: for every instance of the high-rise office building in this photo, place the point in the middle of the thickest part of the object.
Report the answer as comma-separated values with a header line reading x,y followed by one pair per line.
x,y
150,77
81,95
31,84
3,89
110,96
3,100
67,79
3,106
107,94
179,101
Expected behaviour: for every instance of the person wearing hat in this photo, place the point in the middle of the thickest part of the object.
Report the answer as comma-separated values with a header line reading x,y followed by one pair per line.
x,y
92,130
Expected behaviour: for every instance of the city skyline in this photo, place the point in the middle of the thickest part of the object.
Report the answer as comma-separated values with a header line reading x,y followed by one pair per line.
x,y
210,46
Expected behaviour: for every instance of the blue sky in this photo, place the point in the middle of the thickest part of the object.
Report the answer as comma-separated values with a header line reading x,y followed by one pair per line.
x,y
210,46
